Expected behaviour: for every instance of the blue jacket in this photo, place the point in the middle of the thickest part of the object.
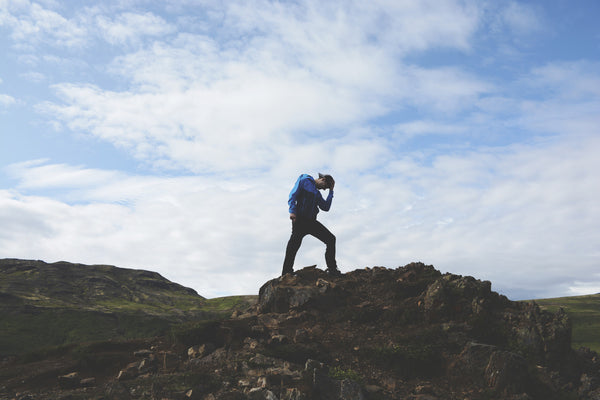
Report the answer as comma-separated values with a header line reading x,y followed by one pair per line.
x,y
305,199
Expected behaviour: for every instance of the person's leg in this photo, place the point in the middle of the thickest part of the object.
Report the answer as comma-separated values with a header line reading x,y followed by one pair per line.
x,y
319,231
298,233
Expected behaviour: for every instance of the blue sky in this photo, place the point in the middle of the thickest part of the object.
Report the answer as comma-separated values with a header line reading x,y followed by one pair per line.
x,y
167,135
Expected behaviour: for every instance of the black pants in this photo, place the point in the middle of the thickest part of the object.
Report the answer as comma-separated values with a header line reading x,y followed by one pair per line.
x,y
301,228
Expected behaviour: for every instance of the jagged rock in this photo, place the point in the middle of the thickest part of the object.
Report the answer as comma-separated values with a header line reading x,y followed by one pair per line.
x,y
541,335
200,351
278,339
293,394
216,357
277,377
251,343
148,365
453,296
301,336
488,366
506,372
131,371
293,291
472,361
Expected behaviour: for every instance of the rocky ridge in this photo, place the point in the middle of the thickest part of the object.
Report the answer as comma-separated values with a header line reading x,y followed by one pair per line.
x,y
373,333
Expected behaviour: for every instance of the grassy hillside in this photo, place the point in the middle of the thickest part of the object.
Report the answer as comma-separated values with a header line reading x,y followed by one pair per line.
x,y
585,314
44,305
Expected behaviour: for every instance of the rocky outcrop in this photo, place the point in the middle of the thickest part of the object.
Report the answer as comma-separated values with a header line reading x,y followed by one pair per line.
x,y
374,333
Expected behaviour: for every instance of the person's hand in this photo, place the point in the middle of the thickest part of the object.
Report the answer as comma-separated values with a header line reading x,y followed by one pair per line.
x,y
293,217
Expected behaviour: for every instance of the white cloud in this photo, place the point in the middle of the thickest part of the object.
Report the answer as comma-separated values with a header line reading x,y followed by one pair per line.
x,y
427,127
268,75
6,100
447,89
32,24
521,17
129,28
38,174
574,80
584,288
33,76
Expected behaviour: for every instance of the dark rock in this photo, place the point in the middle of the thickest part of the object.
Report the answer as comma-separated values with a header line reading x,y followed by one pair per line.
x,y
506,372
69,381
261,394
88,382
200,351
231,395
293,394
294,291
143,353
131,371
350,390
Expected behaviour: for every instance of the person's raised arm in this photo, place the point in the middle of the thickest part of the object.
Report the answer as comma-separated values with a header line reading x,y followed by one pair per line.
x,y
325,204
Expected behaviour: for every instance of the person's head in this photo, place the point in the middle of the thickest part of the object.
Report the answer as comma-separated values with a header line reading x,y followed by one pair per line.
x,y
325,182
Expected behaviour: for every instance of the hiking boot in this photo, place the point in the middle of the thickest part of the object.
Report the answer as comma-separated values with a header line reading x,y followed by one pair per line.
x,y
334,272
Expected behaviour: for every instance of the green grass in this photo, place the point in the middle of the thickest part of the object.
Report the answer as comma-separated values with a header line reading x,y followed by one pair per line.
x,y
584,312
27,329
228,304
24,332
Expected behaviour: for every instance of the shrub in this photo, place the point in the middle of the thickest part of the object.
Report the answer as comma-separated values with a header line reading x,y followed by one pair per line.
x,y
340,374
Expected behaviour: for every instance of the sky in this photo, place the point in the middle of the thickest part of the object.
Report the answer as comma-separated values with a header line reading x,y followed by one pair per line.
x,y
167,135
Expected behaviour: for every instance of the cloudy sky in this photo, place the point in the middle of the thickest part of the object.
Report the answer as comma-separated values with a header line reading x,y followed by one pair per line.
x,y
166,135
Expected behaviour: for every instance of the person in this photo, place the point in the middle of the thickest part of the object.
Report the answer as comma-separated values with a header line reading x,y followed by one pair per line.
x,y
304,203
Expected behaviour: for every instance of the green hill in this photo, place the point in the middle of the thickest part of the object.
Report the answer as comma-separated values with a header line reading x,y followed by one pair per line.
x,y
584,312
44,305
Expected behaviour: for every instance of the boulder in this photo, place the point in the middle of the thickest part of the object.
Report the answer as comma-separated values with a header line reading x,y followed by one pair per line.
x,y
456,297
291,292
506,372
492,368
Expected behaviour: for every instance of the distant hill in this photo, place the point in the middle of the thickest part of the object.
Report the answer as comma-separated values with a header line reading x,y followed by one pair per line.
x,y
44,305
584,312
